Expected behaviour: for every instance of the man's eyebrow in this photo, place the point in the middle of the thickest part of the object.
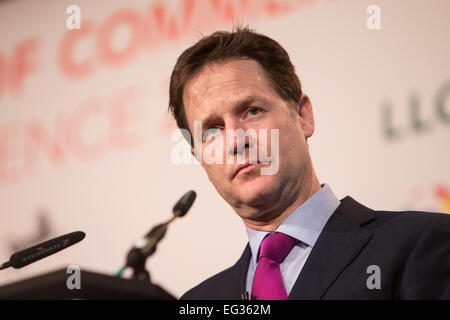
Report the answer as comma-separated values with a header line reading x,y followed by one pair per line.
x,y
208,120
238,107
247,101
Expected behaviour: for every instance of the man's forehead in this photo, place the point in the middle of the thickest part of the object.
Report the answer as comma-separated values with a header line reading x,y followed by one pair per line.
x,y
230,80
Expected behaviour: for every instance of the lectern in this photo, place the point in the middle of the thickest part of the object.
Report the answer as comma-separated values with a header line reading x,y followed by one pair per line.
x,y
94,286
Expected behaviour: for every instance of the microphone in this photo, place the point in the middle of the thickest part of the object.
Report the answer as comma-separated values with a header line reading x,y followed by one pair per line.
x,y
25,257
244,295
184,204
146,247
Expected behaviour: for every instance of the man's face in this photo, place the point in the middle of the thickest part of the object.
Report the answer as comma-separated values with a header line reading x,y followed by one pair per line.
x,y
236,94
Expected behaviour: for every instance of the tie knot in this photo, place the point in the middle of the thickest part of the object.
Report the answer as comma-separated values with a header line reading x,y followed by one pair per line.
x,y
276,246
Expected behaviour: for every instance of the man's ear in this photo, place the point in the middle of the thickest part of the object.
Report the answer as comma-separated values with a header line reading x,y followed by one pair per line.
x,y
305,112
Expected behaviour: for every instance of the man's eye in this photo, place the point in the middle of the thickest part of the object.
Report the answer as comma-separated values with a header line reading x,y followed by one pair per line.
x,y
211,132
254,111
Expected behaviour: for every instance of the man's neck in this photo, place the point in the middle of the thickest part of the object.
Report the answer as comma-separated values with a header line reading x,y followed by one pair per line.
x,y
280,214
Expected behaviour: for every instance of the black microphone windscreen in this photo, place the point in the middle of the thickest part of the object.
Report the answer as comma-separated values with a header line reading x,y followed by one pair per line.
x,y
184,204
44,249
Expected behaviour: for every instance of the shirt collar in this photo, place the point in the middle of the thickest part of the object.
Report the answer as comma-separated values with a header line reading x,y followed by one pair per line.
x,y
305,223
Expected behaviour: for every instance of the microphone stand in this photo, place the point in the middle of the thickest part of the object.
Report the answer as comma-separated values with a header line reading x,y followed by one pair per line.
x,y
136,261
138,255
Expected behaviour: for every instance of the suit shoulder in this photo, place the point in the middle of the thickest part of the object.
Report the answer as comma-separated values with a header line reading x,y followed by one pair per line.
x,y
409,225
414,219
208,288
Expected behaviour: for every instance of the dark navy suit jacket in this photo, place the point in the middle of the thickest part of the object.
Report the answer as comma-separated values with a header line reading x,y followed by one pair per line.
x,y
411,249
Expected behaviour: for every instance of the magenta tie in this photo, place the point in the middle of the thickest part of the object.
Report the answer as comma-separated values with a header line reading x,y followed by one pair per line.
x,y
267,281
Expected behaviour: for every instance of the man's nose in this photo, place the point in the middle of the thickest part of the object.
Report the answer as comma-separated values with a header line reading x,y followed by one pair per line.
x,y
237,141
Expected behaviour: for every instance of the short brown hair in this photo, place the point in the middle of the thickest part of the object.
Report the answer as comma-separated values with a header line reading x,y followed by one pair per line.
x,y
222,45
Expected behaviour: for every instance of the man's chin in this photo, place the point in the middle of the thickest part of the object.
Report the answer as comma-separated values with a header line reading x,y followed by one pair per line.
x,y
255,192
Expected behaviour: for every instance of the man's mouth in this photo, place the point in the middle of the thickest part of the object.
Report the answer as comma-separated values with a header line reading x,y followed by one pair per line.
x,y
247,167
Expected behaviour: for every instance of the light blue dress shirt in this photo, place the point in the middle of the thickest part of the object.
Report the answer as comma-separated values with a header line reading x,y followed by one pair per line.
x,y
304,224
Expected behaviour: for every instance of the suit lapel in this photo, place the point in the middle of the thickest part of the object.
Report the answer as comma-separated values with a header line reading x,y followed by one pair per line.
x,y
340,242
234,281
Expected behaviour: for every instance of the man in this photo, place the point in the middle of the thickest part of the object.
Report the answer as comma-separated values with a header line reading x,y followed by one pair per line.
x,y
304,243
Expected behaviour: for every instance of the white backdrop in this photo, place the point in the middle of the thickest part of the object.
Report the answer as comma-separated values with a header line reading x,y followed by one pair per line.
x,y
85,134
